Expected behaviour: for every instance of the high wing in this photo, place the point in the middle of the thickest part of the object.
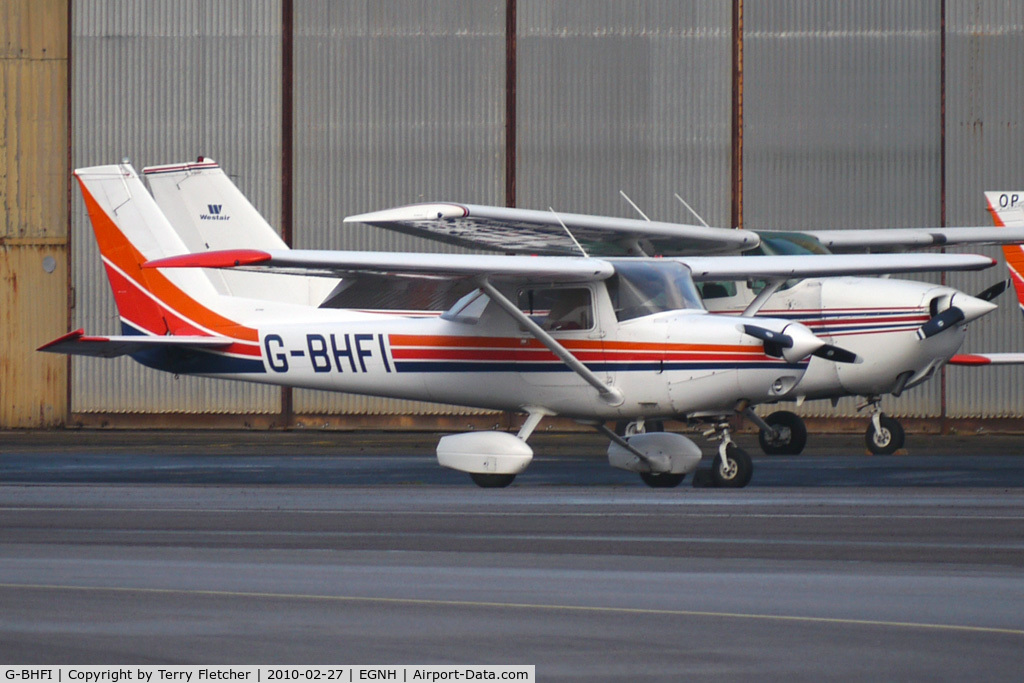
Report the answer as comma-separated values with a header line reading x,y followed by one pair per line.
x,y
527,231
111,346
346,263
563,268
713,268
903,239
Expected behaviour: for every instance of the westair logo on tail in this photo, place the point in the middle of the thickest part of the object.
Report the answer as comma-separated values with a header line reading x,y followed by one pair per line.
x,y
214,213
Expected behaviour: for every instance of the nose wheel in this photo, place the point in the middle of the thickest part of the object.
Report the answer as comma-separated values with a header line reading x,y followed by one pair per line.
x,y
732,468
884,435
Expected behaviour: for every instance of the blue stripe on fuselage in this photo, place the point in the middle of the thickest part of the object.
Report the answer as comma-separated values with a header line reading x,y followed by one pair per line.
x,y
190,361
476,366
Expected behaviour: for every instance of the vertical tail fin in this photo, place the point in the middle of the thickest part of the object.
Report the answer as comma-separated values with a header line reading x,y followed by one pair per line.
x,y
130,230
210,213
1007,209
207,210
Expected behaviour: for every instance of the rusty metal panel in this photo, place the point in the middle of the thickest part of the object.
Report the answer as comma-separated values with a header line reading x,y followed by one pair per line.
x,y
33,139
33,29
33,311
164,81
984,138
394,103
625,96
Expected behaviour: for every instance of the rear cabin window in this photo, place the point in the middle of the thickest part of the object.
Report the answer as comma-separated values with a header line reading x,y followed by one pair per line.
x,y
558,309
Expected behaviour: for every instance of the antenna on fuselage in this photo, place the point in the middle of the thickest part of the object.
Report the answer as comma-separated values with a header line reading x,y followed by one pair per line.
x,y
690,209
569,233
635,207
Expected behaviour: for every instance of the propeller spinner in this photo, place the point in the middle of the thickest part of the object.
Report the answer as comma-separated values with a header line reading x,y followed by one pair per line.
x,y
796,342
962,308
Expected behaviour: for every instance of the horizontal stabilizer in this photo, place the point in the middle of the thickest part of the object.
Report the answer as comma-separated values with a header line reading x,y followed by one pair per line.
x,y
78,344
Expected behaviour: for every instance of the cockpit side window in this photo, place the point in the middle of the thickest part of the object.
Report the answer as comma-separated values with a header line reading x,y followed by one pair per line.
x,y
641,288
717,290
785,244
558,309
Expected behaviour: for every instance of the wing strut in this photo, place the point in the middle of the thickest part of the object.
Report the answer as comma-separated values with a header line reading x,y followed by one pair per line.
x,y
762,298
609,394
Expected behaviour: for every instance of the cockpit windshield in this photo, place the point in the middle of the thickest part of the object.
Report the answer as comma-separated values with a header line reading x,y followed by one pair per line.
x,y
788,243
641,288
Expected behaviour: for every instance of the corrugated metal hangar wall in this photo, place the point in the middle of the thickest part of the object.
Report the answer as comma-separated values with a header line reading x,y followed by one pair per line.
x,y
781,114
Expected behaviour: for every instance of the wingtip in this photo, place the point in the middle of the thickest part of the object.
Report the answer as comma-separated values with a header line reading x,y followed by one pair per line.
x,y
969,359
412,213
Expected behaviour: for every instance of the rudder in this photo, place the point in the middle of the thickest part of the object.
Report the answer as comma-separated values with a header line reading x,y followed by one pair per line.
x,y
1007,209
130,230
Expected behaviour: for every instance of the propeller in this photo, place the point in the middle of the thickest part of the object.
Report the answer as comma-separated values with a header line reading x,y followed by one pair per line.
x,y
774,342
777,343
960,308
993,291
836,354
950,317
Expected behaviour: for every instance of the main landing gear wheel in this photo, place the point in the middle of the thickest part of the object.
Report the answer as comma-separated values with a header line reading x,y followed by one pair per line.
x,y
887,439
662,480
656,480
735,472
491,481
790,437
629,428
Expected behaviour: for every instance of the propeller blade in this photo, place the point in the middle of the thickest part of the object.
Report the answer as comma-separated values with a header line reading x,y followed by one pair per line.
x,y
836,354
993,291
943,321
777,339
774,350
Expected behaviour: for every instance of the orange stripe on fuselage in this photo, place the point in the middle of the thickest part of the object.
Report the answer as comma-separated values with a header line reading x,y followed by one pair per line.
x,y
120,252
528,343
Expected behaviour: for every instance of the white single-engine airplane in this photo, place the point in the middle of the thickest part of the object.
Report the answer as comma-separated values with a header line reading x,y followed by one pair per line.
x,y
867,315
594,339
903,330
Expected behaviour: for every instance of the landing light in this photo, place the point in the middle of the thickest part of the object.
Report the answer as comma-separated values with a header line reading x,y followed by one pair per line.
x,y
783,385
